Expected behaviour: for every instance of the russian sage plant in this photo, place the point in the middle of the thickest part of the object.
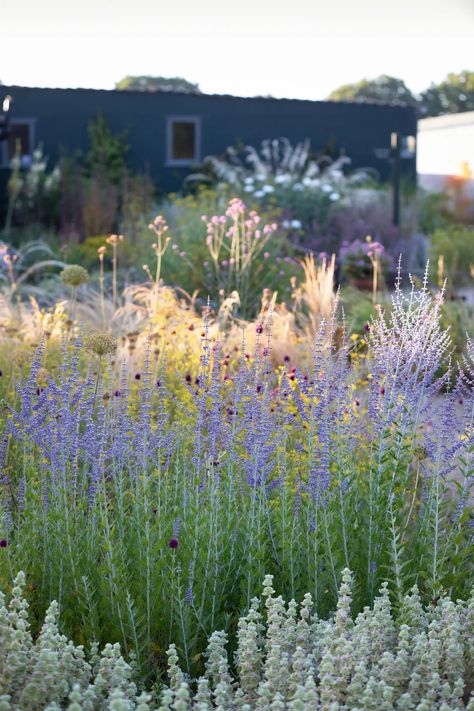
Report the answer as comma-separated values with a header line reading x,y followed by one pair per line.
x,y
150,505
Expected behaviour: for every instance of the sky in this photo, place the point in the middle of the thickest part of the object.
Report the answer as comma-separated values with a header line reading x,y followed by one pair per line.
x,y
286,48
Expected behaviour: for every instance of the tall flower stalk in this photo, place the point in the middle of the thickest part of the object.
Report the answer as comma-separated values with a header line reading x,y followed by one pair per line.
x,y
74,276
114,241
101,252
160,228
234,241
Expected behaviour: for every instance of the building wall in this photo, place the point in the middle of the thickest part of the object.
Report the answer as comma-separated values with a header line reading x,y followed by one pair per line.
x,y
61,117
446,145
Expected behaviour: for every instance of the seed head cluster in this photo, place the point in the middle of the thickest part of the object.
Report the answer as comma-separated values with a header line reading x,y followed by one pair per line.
x,y
101,344
74,275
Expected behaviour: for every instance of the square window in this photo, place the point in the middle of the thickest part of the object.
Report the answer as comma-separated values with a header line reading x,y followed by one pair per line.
x,y
183,134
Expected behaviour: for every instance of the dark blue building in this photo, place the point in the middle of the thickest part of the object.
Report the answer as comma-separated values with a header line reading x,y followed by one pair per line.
x,y
168,133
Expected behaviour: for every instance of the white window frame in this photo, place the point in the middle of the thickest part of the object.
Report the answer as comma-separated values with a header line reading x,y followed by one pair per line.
x,y
183,162
30,122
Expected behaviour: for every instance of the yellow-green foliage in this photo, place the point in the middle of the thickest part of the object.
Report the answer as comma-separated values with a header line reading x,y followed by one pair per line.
x,y
455,244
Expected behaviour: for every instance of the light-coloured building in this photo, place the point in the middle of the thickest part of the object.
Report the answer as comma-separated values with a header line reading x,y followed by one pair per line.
x,y
445,152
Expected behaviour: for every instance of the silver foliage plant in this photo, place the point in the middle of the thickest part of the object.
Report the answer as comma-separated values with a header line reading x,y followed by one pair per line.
x,y
279,163
286,658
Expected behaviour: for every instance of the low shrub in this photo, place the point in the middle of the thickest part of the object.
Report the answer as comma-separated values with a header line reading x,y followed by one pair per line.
x,y
286,658
454,246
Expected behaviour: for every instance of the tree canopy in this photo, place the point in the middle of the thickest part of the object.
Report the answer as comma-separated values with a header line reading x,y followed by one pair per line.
x,y
452,95
384,88
149,83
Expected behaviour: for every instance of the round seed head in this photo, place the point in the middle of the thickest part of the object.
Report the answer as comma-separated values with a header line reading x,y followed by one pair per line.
x,y
74,275
101,344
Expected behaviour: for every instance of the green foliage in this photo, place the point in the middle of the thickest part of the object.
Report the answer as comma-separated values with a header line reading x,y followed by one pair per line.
x,y
286,657
150,83
107,152
452,95
85,253
433,211
384,88
188,262
455,243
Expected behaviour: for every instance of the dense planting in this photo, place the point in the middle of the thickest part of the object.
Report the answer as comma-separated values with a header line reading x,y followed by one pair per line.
x,y
151,504
286,657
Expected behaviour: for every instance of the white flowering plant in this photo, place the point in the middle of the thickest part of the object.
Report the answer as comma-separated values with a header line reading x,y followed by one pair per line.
x,y
278,173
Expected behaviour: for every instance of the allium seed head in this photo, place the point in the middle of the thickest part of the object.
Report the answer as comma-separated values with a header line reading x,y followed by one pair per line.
x,y
101,344
74,275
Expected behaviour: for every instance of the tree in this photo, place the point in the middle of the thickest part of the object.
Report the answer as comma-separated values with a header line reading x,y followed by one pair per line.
x,y
107,152
148,83
384,88
453,95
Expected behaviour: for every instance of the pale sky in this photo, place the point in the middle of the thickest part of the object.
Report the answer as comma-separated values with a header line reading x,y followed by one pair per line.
x,y
287,48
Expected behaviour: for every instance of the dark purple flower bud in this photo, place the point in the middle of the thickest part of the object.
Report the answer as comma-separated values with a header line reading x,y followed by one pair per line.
x,y
173,543
158,383
286,359
259,388
117,393
154,510
259,328
367,327
137,376
382,390
1,373
3,543
188,378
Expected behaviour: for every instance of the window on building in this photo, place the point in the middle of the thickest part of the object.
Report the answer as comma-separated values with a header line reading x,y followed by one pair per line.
x,y
183,140
20,139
